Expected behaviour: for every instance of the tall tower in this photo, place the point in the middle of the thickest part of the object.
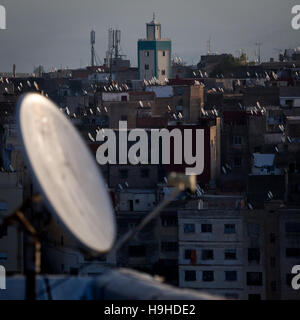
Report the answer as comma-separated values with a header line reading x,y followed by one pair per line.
x,y
154,53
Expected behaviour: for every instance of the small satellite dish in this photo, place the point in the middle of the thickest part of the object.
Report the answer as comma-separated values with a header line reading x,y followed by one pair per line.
x,y
66,173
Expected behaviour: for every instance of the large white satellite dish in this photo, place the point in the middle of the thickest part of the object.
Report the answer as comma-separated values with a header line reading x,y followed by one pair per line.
x,y
66,172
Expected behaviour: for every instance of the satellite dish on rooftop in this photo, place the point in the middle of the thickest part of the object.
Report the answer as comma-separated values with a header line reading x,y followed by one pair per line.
x,y
66,173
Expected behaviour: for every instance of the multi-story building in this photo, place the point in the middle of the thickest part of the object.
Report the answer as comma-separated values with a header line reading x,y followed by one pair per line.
x,y
211,251
239,253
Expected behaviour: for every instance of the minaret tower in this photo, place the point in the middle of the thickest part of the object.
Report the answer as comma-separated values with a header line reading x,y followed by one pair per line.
x,y
154,53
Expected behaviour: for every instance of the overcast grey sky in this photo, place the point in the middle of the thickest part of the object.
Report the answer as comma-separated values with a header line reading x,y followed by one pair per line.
x,y
55,33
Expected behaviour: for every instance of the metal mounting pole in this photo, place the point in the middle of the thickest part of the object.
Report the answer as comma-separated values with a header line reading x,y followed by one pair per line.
x,y
32,246
180,182
129,235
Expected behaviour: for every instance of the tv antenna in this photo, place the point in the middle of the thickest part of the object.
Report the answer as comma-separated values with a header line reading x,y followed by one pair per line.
x,y
94,57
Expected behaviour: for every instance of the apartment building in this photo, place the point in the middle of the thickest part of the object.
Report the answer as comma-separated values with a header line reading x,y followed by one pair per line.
x,y
211,251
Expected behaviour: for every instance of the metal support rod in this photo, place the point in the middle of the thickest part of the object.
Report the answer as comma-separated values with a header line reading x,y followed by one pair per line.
x,y
129,235
32,255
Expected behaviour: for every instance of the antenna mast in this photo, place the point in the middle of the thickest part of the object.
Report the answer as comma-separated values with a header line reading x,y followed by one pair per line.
x,y
209,46
93,40
258,44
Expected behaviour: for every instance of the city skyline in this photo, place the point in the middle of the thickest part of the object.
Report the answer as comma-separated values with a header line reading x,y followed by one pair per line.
x,y
123,176
56,34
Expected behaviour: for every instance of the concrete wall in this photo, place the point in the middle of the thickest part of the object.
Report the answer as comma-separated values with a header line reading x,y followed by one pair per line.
x,y
150,60
114,96
117,111
163,63
138,200
134,178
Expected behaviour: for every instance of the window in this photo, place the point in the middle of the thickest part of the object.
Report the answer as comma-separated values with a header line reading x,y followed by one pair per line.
x,y
144,173
3,206
147,53
123,174
230,254
189,228
146,66
163,72
207,254
164,53
3,231
190,255
207,276
253,255
137,251
230,275
292,252
292,227
206,228
3,256
179,91
169,246
190,275
237,140
254,279
169,221
229,228
187,254
289,102
123,98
